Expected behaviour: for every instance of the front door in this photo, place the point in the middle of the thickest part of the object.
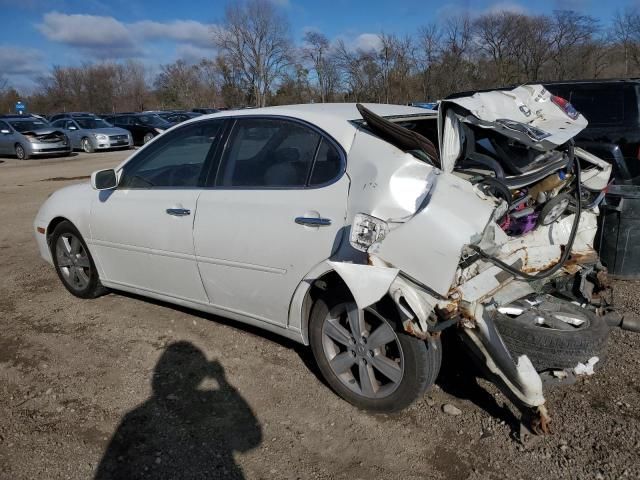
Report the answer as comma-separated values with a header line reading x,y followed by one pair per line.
x,y
277,209
142,232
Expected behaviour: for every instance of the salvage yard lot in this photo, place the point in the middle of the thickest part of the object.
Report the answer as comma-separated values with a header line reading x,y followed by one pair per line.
x,y
72,372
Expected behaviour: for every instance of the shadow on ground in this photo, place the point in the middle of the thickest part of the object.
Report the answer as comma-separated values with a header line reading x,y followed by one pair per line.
x,y
189,428
459,377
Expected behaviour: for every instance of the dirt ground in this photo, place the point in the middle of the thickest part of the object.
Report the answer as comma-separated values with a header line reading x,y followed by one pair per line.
x,y
198,396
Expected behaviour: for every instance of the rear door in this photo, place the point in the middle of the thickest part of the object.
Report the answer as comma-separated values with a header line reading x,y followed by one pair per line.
x,y
276,209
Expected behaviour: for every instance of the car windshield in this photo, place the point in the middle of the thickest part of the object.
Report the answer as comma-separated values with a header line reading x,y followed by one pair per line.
x,y
91,123
153,120
27,125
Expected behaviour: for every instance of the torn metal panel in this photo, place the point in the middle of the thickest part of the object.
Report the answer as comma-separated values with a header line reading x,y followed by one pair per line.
x,y
527,113
367,283
428,247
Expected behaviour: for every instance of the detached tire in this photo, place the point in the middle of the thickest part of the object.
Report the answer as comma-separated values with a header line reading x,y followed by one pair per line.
x,y
73,262
535,333
366,360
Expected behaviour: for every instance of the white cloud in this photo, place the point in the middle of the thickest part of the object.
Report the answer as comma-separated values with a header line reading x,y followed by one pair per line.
x,y
107,37
367,42
184,31
192,54
506,7
20,61
86,31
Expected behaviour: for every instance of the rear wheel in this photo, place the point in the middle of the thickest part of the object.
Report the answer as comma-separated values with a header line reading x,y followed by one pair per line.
x,y
21,153
366,360
73,262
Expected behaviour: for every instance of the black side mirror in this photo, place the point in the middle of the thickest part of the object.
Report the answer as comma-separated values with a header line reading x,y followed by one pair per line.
x,y
104,179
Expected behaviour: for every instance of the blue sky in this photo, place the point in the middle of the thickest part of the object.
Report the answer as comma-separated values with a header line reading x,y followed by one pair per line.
x,y
37,34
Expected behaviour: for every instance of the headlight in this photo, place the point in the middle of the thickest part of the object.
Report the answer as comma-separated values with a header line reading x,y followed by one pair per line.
x,y
101,137
159,130
367,230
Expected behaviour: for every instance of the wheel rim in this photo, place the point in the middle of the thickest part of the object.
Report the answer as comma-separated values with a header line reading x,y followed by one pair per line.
x,y
363,351
547,315
147,138
85,145
20,152
73,261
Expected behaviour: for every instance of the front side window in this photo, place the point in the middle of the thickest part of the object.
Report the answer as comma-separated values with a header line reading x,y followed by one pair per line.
x,y
275,153
174,160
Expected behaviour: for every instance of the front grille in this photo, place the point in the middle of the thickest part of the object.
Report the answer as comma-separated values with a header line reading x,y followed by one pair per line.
x,y
117,137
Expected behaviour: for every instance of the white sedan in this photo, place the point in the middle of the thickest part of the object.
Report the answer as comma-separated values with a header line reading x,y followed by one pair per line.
x,y
362,231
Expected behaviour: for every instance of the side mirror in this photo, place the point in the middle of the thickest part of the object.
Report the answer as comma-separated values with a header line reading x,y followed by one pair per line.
x,y
5,131
104,179
71,127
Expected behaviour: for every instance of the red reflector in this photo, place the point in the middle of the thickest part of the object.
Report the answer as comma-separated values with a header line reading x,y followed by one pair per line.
x,y
41,230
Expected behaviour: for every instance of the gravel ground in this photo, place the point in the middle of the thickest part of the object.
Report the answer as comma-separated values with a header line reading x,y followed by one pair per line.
x,y
198,396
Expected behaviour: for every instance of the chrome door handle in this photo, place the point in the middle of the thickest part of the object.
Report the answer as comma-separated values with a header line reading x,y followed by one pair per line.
x,y
313,221
178,212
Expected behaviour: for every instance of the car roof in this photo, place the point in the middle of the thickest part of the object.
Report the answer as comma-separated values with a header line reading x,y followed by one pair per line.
x,y
336,119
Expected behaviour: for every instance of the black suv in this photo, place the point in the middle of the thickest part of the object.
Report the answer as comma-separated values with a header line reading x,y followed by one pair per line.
x,y
143,126
612,109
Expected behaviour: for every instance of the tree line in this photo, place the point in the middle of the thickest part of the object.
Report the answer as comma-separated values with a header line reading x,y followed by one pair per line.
x,y
258,64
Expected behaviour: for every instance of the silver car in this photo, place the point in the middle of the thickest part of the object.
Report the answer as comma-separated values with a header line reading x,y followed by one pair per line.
x,y
94,133
26,136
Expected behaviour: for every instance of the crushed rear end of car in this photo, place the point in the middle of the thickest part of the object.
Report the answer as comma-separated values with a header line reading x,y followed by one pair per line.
x,y
491,233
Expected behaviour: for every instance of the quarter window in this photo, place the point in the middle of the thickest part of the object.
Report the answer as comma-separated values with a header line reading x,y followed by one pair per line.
x,y
174,160
275,153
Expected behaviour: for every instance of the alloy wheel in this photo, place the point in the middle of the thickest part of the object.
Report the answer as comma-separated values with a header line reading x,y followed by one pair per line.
x,y
86,146
73,261
363,350
20,152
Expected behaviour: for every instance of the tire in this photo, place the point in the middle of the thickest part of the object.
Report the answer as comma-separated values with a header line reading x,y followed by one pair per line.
x,y
551,348
73,262
21,153
147,138
417,361
86,145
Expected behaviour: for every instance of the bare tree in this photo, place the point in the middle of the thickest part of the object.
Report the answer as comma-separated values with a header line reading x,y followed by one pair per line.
x,y
316,51
255,37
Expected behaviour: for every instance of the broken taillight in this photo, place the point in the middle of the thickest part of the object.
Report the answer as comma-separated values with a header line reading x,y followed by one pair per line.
x,y
565,106
367,230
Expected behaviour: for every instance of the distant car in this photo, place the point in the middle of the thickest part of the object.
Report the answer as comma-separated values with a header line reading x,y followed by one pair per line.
x,y
427,105
178,117
205,111
27,136
58,116
94,133
143,126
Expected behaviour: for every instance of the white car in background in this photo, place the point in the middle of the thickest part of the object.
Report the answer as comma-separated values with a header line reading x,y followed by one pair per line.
x,y
362,231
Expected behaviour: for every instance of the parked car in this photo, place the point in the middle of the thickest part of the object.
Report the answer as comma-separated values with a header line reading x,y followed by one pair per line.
x,y
143,126
94,133
179,117
205,111
344,227
58,116
612,108
27,136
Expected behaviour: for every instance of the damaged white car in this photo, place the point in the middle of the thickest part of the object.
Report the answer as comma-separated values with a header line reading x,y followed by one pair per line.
x,y
363,231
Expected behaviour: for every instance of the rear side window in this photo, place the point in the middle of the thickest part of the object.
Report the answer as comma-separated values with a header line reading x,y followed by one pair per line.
x,y
269,153
327,166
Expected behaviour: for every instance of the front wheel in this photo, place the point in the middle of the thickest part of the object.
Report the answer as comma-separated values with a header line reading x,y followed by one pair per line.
x,y
147,138
366,360
73,262
21,153
87,146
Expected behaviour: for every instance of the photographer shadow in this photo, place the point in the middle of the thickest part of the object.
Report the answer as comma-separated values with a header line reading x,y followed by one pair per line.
x,y
186,429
